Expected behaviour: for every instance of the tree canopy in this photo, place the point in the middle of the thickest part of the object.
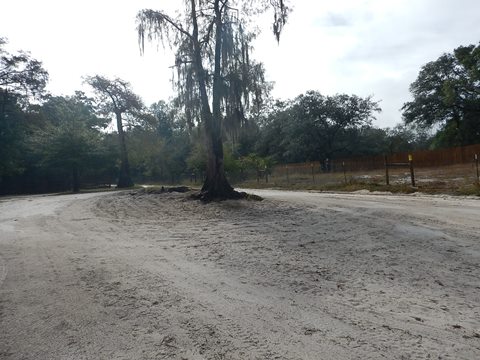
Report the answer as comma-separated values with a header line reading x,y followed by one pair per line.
x,y
446,94
69,141
21,77
314,126
20,73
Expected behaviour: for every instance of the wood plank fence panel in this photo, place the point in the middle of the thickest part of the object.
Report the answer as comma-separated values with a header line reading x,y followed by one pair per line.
x,y
421,159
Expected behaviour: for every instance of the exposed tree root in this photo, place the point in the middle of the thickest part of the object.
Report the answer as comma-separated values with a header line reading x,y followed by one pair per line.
x,y
202,195
156,190
207,196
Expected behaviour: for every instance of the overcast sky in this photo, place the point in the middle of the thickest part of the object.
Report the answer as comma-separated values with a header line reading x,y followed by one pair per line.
x,y
363,47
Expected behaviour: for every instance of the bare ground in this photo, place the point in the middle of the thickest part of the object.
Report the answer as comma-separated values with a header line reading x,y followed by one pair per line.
x,y
296,276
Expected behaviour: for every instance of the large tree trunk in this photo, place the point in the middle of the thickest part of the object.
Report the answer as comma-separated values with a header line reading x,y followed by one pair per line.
x,y
75,179
216,185
124,179
4,104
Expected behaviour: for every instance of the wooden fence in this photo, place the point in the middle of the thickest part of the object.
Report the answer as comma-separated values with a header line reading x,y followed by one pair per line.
x,y
421,159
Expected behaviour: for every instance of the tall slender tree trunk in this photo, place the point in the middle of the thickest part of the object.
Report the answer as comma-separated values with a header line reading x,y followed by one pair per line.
x,y
216,185
124,179
75,179
4,103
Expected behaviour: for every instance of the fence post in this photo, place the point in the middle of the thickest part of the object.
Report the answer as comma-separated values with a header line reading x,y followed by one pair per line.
x,y
412,174
344,172
266,174
286,168
387,179
313,173
476,166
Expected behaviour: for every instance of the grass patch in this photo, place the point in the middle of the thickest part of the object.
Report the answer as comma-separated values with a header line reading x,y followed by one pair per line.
x,y
457,179
469,190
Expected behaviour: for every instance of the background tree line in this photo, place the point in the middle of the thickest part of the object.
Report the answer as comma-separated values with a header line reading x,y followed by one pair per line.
x,y
56,143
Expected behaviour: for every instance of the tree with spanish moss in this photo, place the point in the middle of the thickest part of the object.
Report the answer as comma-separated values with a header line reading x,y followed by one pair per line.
x,y
214,78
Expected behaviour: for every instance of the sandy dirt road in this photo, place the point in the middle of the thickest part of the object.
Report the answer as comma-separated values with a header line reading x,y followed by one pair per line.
x,y
296,276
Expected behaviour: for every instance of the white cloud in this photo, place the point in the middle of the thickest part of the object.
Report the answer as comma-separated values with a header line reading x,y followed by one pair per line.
x,y
367,47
